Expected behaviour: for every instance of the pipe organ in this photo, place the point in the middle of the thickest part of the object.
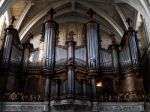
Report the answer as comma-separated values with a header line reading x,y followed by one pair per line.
x,y
106,59
92,44
26,54
11,58
50,43
70,71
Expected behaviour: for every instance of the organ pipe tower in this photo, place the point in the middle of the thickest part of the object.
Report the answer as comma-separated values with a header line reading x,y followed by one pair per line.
x,y
51,28
92,35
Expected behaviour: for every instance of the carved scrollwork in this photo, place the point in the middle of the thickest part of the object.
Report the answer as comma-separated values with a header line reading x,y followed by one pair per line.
x,y
19,96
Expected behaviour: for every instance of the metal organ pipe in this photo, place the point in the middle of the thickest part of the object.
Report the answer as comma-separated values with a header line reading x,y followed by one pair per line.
x,y
133,44
92,29
12,50
115,57
7,47
92,44
125,59
49,43
27,49
49,50
105,59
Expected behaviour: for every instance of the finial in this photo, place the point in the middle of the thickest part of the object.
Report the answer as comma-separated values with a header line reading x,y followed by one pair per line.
x,y
129,21
12,19
91,13
71,34
51,12
30,36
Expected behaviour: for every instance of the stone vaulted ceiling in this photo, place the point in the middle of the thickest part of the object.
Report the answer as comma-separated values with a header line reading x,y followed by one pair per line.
x,y
111,15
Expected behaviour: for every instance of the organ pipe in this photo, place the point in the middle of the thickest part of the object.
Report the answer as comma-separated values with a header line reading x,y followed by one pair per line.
x,y
27,47
105,59
134,50
7,46
115,54
92,29
10,46
49,43
133,45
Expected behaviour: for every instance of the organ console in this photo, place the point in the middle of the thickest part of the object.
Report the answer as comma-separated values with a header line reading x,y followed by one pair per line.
x,y
70,70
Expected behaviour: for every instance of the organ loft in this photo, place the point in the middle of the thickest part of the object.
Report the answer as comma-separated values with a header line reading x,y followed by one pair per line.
x,y
72,65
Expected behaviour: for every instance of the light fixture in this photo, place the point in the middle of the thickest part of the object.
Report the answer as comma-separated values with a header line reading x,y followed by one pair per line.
x,y
99,84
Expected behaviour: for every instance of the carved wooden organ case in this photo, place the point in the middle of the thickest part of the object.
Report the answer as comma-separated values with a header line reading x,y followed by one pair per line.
x,y
70,71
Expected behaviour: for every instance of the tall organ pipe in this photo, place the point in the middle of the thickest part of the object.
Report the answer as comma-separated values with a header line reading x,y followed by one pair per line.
x,y
134,49
92,34
49,43
10,35
115,60
26,54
